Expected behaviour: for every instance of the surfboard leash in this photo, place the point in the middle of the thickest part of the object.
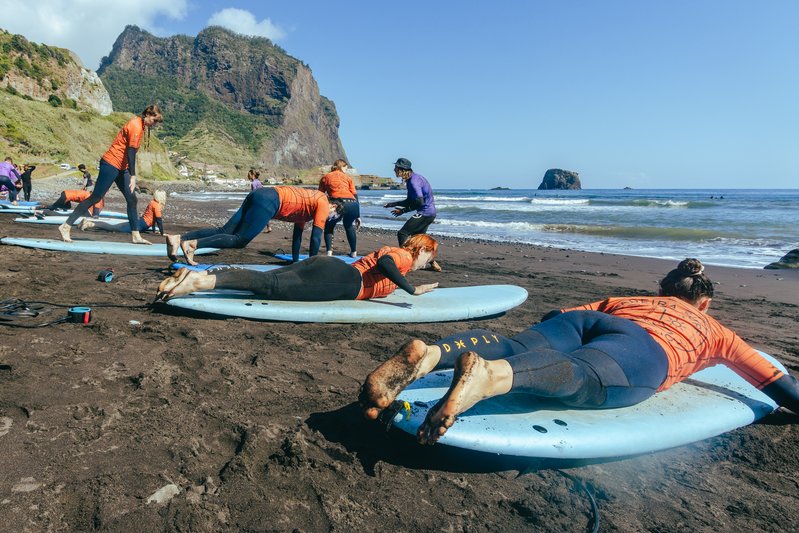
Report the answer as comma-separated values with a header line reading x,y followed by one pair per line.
x,y
588,490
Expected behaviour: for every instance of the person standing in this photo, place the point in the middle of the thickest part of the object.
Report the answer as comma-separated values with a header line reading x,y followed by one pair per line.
x,y
27,186
87,178
10,178
118,165
253,177
341,190
419,199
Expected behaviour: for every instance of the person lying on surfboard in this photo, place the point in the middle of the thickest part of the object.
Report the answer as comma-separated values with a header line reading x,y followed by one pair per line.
x,y
613,353
291,204
319,278
151,218
65,201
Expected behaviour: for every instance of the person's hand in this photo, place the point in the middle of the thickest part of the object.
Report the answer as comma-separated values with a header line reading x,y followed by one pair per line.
x,y
397,211
132,183
421,289
358,223
18,185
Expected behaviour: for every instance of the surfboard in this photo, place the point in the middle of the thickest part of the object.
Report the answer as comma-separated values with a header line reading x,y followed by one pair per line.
x,y
20,203
97,247
202,267
27,212
711,402
58,220
345,258
440,305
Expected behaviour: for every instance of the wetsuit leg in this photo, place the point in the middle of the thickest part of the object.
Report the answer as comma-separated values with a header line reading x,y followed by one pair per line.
x,y
123,184
488,344
415,225
105,178
12,189
330,227
594,360
255,212
27,186
317,279
352,211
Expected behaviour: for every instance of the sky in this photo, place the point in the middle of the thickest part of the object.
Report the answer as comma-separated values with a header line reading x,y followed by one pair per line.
x,y
479,94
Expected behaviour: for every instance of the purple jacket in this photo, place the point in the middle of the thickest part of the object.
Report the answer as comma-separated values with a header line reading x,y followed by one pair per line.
x,y
8,170
419,187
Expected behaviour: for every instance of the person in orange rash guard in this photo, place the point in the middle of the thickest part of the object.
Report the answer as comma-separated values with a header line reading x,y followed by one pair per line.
x,y
613,353
66,199
340,189
290,204
151,219
318,278
118,165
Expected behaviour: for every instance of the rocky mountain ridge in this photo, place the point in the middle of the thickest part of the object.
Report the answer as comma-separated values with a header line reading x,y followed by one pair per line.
x,y
241,100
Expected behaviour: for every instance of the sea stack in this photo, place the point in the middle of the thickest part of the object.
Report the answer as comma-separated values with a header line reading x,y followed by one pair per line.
x,y
556,178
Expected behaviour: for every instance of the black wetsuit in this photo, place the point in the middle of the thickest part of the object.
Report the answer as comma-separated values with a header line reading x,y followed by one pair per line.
x,y
27,186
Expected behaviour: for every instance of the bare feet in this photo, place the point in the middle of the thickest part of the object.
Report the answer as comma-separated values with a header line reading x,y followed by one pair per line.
x,y
474,379
353,254
189,247
329,253
412,361
64,229
172,246
184,281
136,238
85,224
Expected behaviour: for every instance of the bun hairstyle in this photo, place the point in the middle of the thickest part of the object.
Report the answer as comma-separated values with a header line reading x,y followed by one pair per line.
x,y
687,282
338,164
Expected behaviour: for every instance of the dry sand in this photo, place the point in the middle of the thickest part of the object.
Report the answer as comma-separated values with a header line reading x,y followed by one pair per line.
x,y
253,426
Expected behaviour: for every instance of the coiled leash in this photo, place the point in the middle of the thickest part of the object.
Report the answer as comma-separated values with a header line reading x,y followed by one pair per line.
x,y
14,309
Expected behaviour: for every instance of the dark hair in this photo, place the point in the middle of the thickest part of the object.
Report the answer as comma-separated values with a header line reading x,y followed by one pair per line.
x,y
254,173
81,167
687,282
151,111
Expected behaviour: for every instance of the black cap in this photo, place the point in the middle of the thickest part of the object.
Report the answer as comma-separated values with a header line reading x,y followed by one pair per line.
x,y
81,167
403,164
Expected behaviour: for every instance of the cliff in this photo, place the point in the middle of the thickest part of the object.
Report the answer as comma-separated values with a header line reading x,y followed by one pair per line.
x,y
51,74
229,101
556,178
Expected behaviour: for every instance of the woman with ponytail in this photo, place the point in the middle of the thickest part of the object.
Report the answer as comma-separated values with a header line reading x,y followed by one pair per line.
x,y
612,353
118,165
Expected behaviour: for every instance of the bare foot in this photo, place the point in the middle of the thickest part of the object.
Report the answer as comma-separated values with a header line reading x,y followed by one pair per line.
x,y
85,224
268,229
189,247
136,238
172,246
412,361
184,281
64,229
474,380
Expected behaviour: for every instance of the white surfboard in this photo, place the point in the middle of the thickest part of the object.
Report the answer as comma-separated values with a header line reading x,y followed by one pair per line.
x,y
97,247
713,401
440,305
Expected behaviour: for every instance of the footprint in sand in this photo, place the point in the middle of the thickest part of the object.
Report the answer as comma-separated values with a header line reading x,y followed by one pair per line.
x,y
5,425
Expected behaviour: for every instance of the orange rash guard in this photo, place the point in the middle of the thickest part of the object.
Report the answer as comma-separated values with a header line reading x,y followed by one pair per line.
x,y
80,195
337,185
301,205
128,137
152,212
691,339
375,284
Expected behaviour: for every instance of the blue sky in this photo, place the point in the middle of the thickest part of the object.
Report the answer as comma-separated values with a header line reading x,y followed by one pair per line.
x,y
678,94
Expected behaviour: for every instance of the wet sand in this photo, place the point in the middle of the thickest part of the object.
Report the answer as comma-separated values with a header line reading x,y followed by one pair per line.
x,y
256,426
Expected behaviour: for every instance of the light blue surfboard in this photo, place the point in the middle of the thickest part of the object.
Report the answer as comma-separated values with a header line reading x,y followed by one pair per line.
x,y
345,258
713,401
20,203
58,220
440,305
97,247
215,266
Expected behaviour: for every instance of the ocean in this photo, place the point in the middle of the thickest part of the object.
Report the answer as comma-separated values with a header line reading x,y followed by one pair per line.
x,y
740,228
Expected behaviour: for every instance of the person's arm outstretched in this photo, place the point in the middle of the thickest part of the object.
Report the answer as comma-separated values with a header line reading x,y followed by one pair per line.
x,y
386,266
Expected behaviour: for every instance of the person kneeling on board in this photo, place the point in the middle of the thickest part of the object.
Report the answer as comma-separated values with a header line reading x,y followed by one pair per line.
x,y
319,278
613,353
150,219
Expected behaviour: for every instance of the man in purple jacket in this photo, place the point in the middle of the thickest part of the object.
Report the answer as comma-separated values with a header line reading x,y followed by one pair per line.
x,y
419,199
10,178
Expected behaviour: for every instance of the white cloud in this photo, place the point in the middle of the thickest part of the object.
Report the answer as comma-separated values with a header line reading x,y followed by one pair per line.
x,y
245,23
87,27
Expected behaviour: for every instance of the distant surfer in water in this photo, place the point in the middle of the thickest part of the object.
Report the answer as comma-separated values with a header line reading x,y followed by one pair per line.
x,y
291,204
118,165
613,353
419,198
319,278
152,218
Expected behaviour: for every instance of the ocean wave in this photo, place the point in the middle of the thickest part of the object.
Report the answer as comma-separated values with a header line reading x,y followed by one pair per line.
x,y
641,232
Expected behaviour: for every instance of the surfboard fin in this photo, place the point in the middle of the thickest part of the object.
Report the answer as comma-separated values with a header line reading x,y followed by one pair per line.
x,y
386,417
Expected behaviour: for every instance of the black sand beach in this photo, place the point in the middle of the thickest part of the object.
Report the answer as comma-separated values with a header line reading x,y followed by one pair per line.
x,y
257,428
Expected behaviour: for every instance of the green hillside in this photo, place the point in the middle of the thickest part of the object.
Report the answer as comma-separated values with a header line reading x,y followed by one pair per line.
x,y
43,135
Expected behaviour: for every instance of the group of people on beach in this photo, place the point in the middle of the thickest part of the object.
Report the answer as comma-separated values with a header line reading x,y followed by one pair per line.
x,y
14,179
612,353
